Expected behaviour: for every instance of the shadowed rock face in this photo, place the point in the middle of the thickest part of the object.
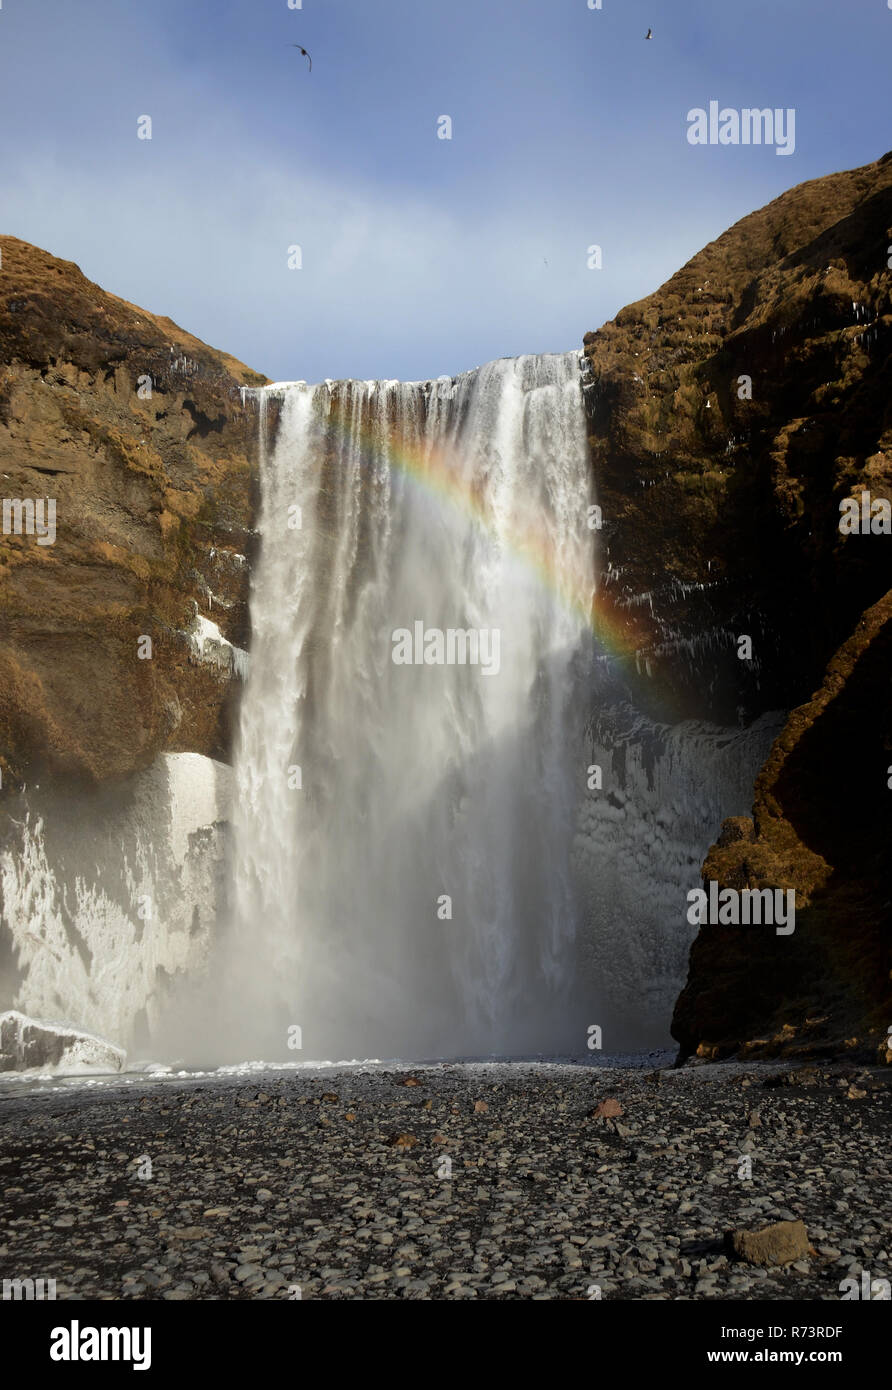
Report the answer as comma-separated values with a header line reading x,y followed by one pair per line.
x,y
726,510
821,825
154,514
734,503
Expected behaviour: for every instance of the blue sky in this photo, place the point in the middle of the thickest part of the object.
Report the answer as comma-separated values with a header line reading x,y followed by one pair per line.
x,y
420,256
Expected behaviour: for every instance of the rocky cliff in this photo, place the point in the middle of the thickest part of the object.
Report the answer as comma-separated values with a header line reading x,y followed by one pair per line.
x,y
127,475
820,825
731,412
137,433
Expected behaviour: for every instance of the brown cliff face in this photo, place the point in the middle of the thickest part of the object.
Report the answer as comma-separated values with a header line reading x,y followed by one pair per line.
x,y
154,510
726,509
734,503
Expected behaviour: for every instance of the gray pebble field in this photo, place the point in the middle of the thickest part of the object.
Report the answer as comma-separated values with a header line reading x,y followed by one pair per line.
x,y
498,1181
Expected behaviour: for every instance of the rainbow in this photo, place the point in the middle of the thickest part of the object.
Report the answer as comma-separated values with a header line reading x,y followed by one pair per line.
x,y
436,472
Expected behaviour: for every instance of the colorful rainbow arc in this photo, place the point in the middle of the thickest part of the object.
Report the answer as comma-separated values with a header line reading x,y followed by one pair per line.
x,y
436,471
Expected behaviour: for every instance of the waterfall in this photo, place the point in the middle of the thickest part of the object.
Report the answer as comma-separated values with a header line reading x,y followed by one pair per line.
x,y
402,879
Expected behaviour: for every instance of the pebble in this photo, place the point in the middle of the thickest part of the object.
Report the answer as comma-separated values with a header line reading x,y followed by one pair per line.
x,y
543,1206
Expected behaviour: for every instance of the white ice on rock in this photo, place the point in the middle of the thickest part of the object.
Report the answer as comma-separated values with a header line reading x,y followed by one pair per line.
x,y
30,1044
208,645
639,845
109,898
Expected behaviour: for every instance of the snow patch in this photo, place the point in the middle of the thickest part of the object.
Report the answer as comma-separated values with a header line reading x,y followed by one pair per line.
x,y
209,646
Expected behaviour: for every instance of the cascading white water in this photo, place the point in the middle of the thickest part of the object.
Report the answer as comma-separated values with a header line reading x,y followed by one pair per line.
x,y
370,792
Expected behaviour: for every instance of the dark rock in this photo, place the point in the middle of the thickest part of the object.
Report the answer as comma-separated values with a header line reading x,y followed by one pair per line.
x,y
723,510
822,827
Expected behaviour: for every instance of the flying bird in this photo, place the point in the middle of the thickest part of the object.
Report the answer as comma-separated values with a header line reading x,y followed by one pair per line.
x,y
304,52
649,34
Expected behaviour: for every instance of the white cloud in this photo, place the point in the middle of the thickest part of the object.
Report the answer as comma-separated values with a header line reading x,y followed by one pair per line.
x,y
394,283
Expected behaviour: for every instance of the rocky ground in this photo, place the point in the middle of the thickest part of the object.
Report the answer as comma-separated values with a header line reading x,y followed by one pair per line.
x,y
487,1182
